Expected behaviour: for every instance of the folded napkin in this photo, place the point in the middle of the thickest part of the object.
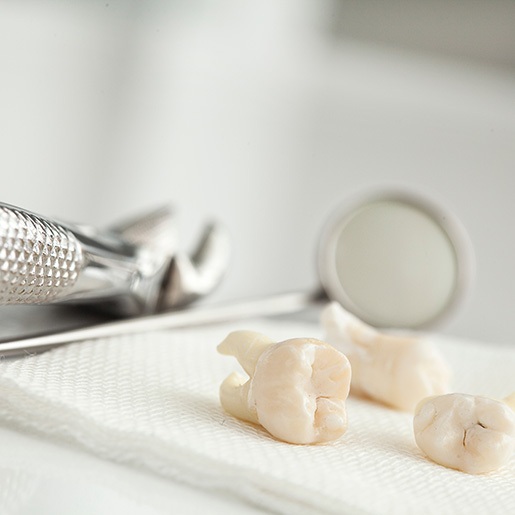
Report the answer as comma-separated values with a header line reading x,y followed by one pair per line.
x,y
152,401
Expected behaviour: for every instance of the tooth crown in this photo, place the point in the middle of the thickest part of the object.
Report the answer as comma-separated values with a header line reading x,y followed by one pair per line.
x,y
397,371
296,389
469,433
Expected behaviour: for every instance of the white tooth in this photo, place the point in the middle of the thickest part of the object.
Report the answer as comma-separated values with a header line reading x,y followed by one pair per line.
x,y
510,401
234,397
465,432
395,370
246,347
296,390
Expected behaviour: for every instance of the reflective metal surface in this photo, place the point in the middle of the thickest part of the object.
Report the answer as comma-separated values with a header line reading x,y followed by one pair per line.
x,y
410,264
396,259
130,270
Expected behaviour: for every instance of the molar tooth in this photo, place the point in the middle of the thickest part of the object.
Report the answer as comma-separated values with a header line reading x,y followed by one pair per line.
x,y
469,433
296,389
396,370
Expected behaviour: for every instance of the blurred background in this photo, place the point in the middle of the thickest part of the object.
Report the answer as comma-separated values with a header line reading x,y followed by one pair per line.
x,y
265,114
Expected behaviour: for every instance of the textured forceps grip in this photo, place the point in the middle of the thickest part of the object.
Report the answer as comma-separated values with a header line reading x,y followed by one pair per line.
x,y
39,260
127,270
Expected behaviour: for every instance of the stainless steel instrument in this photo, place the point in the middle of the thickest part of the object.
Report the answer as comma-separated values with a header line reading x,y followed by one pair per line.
x,y
131,269
394,259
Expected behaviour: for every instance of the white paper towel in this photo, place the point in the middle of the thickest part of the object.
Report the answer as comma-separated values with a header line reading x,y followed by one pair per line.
x,y
152,401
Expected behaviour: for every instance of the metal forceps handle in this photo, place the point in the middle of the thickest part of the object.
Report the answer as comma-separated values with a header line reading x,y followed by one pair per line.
x,y
44,261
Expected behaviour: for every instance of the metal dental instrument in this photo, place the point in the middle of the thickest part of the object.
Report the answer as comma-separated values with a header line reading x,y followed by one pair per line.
x,y
129,270
394,259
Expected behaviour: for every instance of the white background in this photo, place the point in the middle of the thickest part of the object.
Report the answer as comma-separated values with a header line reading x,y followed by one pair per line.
x,y
265,114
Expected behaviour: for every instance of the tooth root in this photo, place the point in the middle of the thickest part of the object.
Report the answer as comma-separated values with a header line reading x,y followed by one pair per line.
x,y
234,395
343,327
510,401
334,323
246,347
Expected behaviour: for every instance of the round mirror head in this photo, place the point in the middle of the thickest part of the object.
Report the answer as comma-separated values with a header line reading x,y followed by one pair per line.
x,y
395,261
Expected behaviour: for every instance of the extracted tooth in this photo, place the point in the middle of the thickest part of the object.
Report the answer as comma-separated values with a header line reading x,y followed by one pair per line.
x,y
296,389
465,432
299,390
510,401
246,347
396,370
234,397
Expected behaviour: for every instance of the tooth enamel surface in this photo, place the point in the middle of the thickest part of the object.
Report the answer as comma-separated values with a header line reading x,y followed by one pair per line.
x,y
296,389
465,432
397,371
246,347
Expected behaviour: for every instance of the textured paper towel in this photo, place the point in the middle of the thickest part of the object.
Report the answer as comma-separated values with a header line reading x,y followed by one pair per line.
x,y
152,401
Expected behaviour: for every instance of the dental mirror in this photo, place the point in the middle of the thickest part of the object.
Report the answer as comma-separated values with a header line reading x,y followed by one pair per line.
x,y
396,260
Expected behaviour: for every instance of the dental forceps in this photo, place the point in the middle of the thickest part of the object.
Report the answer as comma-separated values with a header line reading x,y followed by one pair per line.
x,y
393,258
